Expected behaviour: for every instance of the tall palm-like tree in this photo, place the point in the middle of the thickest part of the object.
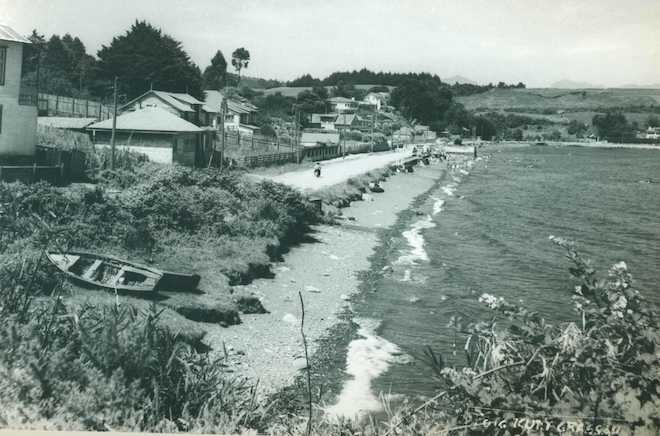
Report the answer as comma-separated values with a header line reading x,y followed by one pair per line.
x,y
239,60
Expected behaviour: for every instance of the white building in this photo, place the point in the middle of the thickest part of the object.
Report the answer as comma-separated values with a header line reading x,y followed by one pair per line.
x,y
240,116
180,104
377,99
18,110
653,133
342,105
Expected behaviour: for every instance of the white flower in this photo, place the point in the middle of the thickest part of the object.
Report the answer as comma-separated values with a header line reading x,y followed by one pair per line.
x,y
490,300
620,304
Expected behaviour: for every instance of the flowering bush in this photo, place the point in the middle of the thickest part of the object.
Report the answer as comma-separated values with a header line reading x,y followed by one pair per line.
x,y
602,368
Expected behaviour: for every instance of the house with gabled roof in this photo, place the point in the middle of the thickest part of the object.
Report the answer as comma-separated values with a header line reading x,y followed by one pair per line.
x,y
241,114
348,121
342,105
183,105
323,121
18,107
158,133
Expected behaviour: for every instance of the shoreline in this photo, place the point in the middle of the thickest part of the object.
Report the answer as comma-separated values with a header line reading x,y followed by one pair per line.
x,y
328,270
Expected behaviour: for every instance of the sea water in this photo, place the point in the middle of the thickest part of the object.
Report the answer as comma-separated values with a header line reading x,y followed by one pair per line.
x,y
487,231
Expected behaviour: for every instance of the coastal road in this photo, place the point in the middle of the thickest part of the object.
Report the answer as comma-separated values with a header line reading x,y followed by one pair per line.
x,y
338,170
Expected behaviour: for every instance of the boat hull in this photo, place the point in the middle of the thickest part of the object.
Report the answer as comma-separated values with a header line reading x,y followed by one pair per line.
x,y
111,273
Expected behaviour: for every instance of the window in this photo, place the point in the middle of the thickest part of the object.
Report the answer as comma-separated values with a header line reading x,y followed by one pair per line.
x,y
3,62
0,118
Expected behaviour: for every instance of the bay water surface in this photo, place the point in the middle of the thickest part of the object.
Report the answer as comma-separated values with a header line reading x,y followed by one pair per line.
x,y
485,229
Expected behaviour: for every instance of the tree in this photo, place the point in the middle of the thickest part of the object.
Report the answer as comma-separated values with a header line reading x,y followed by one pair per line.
x,y
33,58
653,121
425,100
145,57
576,128
305,80
484,128
613,126
517,135
347,90
310,102
457,117
215,75
239,60
379,88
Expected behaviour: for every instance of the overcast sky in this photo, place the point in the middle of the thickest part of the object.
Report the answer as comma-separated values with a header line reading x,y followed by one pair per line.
x,y
604,42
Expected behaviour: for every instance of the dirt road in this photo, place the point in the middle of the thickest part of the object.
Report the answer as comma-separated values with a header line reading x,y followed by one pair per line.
x,y
338,170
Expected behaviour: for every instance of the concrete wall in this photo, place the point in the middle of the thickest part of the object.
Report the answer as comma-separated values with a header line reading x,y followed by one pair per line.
x,y
18,136
159,147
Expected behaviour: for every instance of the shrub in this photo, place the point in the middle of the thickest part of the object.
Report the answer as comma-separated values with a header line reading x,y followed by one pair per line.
x,y
101,367
603,365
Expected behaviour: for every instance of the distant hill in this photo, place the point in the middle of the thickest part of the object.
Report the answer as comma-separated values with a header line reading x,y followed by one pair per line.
x,y
253,82
571,84
637,86
553,98
293,91
459,79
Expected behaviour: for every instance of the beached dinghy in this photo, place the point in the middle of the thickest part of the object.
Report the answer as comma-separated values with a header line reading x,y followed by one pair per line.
x,y
115,274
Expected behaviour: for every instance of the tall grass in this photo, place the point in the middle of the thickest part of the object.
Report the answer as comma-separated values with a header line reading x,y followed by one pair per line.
x,y
110,367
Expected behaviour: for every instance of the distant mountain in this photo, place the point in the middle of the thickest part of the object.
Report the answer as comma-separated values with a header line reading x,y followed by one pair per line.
x,y
460,79
636,86
572,84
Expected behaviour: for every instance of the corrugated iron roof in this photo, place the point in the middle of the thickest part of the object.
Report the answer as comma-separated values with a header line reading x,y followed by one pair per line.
x,y
186,98
174,102
65,122
240,106
148,119
213,98
9,34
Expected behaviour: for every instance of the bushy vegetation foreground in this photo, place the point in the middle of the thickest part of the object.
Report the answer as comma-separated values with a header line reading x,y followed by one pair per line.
x,y
115,367
120,365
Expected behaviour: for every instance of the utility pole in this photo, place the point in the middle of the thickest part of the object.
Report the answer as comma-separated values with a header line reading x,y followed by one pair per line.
x,y
298,133
223,111
373,124
114,125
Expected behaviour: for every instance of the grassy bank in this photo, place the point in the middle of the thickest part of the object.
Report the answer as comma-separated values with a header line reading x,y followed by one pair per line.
x,y
134,364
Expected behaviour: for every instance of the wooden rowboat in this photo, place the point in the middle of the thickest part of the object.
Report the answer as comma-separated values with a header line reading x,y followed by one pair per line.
x,y
109,272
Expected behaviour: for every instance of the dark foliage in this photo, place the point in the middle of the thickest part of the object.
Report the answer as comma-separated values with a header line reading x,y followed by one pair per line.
x,y
425,100
61,65
613,126
215,75
305,80
145,57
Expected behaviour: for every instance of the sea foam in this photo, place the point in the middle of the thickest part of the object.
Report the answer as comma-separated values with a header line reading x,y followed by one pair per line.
x,y
449,189
368,357
437,206
416,242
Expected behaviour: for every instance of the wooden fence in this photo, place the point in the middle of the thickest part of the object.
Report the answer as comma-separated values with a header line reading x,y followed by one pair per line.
x,y
57,105
264,160
255,141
